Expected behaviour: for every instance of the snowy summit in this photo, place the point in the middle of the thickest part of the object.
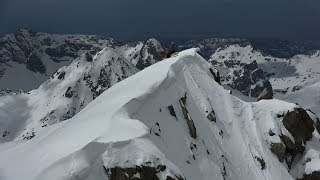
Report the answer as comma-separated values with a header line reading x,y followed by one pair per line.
x,y
171,120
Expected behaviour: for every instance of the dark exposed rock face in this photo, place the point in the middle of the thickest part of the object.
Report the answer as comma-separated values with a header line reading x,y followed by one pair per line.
x,y
149,54
262,162
61,75
35,64
172,112
260,86
4,92
19,46
187,117
300,126
69,93
142,172
246,78
216,75
265,94
88,57
212,116
279,150
5,133
313,176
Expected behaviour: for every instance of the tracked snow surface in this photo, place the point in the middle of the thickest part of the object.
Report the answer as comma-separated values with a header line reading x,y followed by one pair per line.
x,y
169,121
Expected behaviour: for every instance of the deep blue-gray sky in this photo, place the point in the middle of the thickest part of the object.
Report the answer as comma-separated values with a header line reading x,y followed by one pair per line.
x,y
287,19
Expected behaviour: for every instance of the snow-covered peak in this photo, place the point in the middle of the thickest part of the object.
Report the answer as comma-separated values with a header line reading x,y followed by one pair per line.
x,y
64,94
171,120
244,54
284,75
29,58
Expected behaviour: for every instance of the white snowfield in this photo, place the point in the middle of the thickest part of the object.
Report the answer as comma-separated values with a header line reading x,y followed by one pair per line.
x,y
308,97
159,115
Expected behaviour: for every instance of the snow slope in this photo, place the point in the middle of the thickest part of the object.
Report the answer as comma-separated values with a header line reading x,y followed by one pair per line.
x,y
171,119
65,94
308,97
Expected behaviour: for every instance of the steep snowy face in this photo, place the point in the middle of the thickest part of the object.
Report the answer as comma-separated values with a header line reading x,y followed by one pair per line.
x,y
249,71
65,94
171,120
27,58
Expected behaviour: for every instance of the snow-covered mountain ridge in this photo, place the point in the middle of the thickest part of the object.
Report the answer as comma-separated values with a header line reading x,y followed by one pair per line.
x,y
249,71
28,58
68,91
285,75
171,121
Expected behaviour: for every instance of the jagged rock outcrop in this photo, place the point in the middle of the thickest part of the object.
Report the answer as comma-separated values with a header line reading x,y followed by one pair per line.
x,y
189,121
265,94
149,54
149,165
312,176
247,78
216,75
143,172
299,130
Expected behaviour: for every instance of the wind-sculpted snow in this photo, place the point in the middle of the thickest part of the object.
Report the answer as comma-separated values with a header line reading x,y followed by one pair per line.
x,y
71,88
171,120
65,94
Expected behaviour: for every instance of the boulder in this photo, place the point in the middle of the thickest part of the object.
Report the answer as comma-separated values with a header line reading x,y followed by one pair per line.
x,y
265,94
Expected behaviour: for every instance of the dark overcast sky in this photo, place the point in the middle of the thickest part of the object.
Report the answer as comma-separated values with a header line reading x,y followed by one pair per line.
x,y
287,19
